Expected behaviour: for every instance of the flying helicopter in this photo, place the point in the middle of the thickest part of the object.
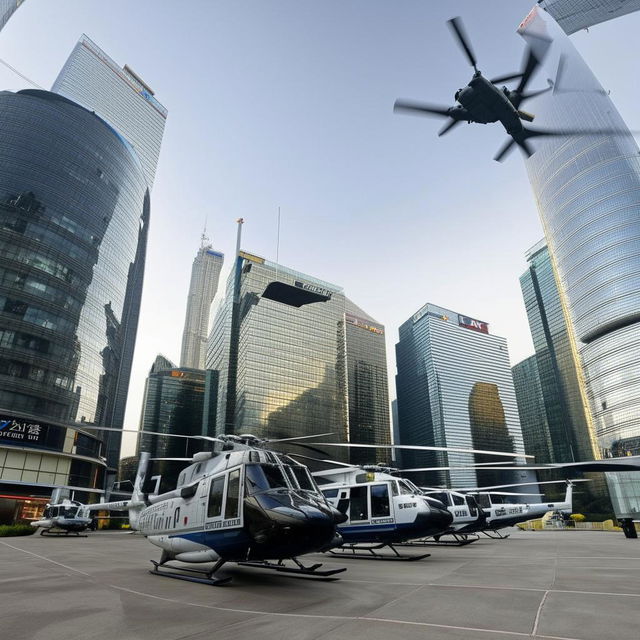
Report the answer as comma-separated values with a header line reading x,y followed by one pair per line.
x,y
483,101
63,517
383,510
244,504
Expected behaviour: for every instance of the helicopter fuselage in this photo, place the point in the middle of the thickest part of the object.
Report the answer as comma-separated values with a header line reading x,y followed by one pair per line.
x,y
484,103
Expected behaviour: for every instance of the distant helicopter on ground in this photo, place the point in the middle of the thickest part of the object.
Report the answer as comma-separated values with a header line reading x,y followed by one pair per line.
x,y
243,504
482,101
62,518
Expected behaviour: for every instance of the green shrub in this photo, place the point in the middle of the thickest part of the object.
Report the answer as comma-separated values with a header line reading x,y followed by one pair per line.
x,y
577,517
16,530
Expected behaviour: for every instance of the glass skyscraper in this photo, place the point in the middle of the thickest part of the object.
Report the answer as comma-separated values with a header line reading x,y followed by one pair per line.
x,y
573,15
174,403
287,371
74,214
205,275
455,389
532,411
7,7
119,96
587,188
569,419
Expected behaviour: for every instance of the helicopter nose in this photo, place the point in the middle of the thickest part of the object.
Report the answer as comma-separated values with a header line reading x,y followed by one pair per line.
x,y
442,518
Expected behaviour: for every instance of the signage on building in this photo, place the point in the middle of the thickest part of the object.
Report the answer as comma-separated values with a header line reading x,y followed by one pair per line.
x,y
314,288
20,430
475,325
217,254
363,324
251,257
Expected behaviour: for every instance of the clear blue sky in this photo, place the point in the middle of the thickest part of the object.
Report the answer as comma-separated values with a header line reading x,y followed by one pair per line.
x,y
289,103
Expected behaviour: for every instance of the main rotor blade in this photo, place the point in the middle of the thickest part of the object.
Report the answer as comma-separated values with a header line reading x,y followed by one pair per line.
x,y
520,484
422,107
504,150
448,126
152,433
455,24
415,447
315,435
335,462
530,66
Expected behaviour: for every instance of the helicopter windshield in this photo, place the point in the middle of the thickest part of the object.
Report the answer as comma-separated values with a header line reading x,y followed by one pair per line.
x,y
304,478
260,477
407,487
69,512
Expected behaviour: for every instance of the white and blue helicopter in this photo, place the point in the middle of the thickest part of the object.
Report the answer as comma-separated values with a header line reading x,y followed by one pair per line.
x,y
244,504
62,517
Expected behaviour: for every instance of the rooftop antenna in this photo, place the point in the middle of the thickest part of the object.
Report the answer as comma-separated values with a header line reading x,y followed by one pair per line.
x,y
204,239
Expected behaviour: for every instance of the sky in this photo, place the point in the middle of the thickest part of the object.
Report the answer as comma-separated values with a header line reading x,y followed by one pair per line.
x,y
289,103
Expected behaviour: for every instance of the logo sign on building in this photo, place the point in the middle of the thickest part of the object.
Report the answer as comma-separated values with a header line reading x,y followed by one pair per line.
x,y
363,324
475,325
251,257
314,288
20,431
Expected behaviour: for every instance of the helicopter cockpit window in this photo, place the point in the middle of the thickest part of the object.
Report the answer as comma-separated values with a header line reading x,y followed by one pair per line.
x,y
483,500
214,509
232,506
69,512
457,500
304,478
405,488
379,500
292,479
442,496
260,477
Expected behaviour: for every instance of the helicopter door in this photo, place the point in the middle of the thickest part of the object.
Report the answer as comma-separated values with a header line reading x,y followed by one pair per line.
x,y
380,507
223,504
359,504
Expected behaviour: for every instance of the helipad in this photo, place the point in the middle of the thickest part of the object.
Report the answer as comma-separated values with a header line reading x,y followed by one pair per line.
x,y
570,585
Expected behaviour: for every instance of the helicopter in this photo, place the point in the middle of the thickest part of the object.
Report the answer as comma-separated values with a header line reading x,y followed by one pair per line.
x,y
243,504
63,517
383,510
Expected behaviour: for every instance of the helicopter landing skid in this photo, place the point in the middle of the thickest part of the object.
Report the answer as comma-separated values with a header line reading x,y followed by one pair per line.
x,y
494,534
208,576
351,551
61,534
299,570
459,540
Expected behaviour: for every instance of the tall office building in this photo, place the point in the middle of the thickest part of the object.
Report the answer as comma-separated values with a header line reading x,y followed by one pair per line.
x,y
292,371
74,214
174,403
455,389
119,96
558,362
7,7
587,189
205,275
574,15
532,411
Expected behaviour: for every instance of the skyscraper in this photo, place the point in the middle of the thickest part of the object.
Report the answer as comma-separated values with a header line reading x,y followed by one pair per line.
x,y
74,214
119,96
587,189
455,389
7,7
558,363
291,371
205,275
532,411
574,15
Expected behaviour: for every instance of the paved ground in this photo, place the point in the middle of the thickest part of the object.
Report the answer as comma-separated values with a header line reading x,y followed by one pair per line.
x,y
571,585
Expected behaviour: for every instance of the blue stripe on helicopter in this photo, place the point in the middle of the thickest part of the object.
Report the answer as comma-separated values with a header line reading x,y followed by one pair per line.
x,y
225,542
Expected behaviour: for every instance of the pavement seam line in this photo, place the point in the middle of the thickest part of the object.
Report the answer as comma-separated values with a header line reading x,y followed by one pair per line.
x,y
537,620
47,559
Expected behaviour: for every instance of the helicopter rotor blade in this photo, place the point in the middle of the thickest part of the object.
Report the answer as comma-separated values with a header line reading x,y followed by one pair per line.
x,y
152,433
455,24
506,148
423,107
324,460
448,126
520,484
315,435
415,447
530,66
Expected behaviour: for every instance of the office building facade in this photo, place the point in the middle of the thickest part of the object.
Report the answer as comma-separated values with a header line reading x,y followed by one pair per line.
x,y
74,211
205,275
532,410
587,188
287,371
7,8
174,403
569,419
455,389
119,96
574,15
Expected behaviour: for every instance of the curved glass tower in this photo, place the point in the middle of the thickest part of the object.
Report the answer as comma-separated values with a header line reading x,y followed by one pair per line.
x,y
588,193
74,213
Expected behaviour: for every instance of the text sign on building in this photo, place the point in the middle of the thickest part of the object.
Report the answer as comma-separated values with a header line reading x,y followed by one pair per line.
x,y
20,430
363,324
314,288
470,323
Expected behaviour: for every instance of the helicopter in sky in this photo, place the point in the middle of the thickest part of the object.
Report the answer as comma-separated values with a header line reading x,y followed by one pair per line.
x,y
383,510
62,517
482,101
244,504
